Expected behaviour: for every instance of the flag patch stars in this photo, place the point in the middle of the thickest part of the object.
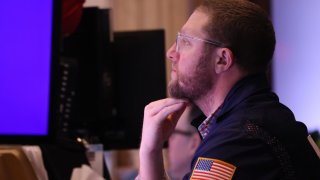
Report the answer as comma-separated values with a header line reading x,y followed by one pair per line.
x,y
208,169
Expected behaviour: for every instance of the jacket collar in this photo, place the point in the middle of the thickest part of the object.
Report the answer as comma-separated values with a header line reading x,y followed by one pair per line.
x,y
244,88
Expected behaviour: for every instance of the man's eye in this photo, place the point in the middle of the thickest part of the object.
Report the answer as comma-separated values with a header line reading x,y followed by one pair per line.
x,y
185,42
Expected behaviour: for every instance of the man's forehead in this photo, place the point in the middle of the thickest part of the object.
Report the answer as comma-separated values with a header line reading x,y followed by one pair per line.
x,y
195,24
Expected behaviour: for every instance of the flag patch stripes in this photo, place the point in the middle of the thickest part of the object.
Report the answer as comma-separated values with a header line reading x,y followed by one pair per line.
x,y
208,169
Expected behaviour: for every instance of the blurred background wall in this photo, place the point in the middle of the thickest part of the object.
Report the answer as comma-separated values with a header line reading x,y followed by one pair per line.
x,y
169,15
297,59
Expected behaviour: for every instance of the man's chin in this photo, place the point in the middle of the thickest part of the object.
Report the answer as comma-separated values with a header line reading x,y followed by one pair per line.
x,y
177,93
175,90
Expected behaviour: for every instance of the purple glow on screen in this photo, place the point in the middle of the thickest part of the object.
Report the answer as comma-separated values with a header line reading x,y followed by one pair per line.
x,y
296,66
25,55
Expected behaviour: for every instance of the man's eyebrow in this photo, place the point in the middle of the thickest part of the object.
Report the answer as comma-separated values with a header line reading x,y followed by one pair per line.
x,y
185,31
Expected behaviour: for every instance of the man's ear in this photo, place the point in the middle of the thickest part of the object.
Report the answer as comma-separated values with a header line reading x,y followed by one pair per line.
x,y
225,59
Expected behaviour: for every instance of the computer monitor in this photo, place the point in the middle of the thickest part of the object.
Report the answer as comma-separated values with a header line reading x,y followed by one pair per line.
x,y
108,84
29,40
139,78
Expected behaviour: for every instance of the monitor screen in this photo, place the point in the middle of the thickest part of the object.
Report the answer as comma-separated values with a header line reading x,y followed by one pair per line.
x,y
29,36
139,76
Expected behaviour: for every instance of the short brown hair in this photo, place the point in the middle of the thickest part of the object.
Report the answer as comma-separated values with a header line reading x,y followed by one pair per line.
x,y
243,27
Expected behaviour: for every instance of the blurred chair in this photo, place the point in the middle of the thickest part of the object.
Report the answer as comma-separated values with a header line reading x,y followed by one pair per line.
x,y
14,165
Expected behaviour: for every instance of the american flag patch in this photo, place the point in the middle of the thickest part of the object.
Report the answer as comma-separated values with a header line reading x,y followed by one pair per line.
x,y
207,169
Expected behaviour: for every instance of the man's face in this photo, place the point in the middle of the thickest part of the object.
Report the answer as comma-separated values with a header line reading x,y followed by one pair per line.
x,y
192,73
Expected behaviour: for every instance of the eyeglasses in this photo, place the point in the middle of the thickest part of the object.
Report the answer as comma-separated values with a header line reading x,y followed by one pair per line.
x,y
182,40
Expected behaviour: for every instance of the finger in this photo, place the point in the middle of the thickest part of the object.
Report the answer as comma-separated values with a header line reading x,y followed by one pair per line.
x,y
163,102
157,106
173,112
176,115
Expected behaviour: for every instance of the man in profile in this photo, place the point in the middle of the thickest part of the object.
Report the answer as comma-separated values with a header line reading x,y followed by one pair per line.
x,y
219,62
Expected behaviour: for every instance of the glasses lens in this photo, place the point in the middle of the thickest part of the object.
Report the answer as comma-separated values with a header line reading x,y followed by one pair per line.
x,y
177,42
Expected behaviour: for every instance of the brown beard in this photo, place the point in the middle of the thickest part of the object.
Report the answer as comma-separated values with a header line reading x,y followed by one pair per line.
x,y
193,86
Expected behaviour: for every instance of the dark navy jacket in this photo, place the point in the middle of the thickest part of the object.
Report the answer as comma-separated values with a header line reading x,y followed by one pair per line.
x,y
259,136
